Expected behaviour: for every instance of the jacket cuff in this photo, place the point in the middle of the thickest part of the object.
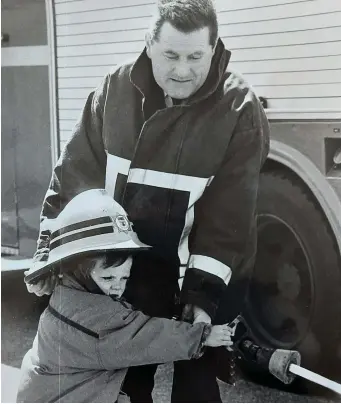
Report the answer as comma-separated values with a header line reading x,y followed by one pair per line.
x,y
202,289
202,347
41,255
43,249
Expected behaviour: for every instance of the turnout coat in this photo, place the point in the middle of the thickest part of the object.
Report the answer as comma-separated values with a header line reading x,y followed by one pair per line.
x,y
187,175
86,341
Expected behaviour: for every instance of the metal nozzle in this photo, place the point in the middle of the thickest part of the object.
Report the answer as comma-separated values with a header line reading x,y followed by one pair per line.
x,y
280,362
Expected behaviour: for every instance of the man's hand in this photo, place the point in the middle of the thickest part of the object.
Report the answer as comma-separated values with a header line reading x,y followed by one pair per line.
x,y
220,336
200,316
43,287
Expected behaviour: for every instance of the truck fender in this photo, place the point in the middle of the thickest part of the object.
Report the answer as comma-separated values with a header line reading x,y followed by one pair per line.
x,y
315,181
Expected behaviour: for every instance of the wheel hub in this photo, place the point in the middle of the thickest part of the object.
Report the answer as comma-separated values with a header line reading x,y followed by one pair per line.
x,y
281,293
289,281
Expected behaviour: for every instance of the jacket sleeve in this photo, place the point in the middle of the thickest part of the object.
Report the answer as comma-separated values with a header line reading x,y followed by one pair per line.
x,y
81,165
141,340
223,239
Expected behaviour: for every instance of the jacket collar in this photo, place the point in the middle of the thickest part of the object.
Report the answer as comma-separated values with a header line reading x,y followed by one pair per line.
x,y
141,74
79,282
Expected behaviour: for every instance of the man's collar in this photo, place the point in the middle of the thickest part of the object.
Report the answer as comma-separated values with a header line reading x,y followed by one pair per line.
x,y
170,102
141,74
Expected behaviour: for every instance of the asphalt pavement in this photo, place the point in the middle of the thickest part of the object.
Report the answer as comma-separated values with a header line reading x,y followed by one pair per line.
x,y
20,313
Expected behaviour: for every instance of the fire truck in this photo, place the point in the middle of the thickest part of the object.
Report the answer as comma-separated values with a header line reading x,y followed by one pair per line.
x,y
55,52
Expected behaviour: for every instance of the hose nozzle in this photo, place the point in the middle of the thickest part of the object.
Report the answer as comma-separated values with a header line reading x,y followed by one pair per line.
x,y
280,362
276,361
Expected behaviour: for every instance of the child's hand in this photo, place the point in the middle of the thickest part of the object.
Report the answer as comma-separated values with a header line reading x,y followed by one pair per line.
x,y
220,336
43,287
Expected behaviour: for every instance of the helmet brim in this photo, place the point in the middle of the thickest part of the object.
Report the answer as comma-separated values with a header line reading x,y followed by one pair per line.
x,y
42,269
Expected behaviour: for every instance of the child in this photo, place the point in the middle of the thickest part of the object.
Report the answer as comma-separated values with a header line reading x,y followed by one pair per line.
x,y
88,336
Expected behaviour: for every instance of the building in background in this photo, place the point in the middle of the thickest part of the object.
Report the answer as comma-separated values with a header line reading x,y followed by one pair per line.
x,y
29,139
289,50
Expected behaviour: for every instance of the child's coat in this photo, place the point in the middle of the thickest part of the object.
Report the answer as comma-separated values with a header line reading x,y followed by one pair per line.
x,y
85,343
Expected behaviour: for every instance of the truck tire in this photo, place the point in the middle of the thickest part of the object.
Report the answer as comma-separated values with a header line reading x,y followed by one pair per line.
x,y
295,292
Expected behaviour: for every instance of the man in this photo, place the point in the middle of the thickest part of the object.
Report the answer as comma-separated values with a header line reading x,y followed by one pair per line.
x,y
178,140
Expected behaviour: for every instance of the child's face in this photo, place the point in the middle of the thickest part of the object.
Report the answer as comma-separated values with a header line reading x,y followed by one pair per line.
x,y
112,280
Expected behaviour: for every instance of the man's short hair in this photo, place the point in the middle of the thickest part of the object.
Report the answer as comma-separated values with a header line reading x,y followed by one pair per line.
x,y
186,16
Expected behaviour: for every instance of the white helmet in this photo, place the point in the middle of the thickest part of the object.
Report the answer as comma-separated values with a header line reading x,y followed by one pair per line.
x,y
91,222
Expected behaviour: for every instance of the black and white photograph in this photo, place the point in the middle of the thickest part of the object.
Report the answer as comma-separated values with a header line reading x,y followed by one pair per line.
x,y
171,201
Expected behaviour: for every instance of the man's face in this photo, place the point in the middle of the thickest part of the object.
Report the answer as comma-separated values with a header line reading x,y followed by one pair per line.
x,y
112,280
180,61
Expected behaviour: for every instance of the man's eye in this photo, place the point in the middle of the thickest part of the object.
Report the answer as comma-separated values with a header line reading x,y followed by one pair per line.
x,y
171,57
197,57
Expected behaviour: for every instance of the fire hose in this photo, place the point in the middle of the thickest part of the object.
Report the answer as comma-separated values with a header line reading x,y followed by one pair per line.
x,y
285,365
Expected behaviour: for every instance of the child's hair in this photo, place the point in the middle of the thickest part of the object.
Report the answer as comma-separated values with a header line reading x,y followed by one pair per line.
x,y
82,265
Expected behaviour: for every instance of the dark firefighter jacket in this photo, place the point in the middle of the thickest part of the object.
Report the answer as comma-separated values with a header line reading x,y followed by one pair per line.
x,y
187,175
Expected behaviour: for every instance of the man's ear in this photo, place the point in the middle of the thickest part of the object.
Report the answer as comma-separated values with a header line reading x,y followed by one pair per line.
x,y
148,40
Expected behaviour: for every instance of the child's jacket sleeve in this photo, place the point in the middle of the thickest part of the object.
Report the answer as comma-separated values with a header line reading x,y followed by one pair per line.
x,y
141,339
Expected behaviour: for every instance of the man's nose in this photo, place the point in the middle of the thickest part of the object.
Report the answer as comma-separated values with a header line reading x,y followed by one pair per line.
x,y
182,70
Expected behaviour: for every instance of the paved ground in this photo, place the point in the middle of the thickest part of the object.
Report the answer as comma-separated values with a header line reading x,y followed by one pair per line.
x,y
19,316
